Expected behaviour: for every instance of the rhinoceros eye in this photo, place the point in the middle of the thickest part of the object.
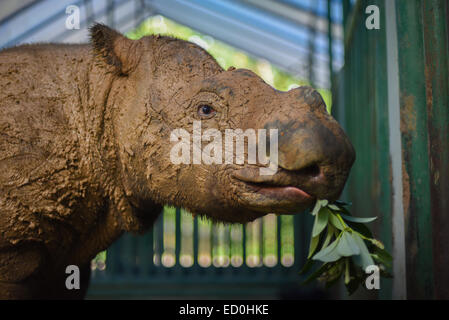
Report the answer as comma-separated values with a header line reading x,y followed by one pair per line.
x,y
206,111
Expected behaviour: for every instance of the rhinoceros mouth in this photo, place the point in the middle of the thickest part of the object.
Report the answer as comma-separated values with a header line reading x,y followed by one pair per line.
x,y
282,179
277,189
281,192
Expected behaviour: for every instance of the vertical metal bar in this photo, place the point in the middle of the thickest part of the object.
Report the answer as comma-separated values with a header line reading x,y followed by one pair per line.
x,y
138,10
279,240
346,10
228,244
311,50
435,13
127,254
414,129
160,237
399,290
177,236
382,183
89,12
330,43
145,253
212,243
244,244
299,238
195,241
261,241
110,13
113,260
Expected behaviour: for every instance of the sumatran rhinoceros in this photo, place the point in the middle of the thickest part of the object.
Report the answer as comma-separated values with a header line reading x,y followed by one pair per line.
x,y
85,143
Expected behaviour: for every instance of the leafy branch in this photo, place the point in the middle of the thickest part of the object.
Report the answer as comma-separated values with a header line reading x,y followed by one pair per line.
x,y
345,245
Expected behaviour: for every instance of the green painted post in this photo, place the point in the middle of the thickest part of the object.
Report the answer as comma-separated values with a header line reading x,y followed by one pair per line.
x,y
346,10
195,242
113,260
145,253
160,237
414,129
436,17
278,239
330,43
177,235
244,244
299,235
311,33
382,174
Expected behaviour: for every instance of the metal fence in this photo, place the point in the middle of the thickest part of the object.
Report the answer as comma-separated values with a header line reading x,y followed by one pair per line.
x,y
392,97
185,256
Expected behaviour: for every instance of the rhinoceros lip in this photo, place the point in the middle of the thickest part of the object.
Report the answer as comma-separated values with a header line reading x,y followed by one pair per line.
x,y
273,189
281,192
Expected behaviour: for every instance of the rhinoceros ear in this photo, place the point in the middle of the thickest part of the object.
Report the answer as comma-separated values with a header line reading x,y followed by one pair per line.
x,y
117,50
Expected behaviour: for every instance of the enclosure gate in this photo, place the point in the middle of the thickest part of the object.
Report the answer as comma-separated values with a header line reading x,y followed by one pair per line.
x,y
233,265
392,97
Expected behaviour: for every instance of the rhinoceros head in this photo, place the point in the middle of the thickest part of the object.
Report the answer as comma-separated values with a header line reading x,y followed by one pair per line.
x,y
180,120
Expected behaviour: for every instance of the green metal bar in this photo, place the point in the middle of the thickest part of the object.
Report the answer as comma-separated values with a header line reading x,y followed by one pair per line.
x,y
414,129
127,254
278,239
311,49
195,242
110,13
382,197
160,237
435,13
145,253
351,23
261,241
346,7
244,244
177,236
330,43
213,244
113,260
299,239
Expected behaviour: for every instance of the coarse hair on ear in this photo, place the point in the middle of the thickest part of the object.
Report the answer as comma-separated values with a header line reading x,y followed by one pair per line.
x,y
115,49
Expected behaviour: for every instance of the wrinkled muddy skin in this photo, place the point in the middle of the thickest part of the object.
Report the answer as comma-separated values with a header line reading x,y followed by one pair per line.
x,y
85,144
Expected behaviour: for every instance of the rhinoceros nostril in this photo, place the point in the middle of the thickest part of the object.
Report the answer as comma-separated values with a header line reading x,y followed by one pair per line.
x,y
312,170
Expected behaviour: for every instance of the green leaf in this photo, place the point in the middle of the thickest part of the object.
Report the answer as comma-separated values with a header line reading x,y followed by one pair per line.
x,y
313,245
336,222
309,263
330,232
347,274
347,246
357,219
316,273
318,205
353,285
377,243
342,203
360,228
321,220
355,278
328,254
333,207
382,256
364,259
333,274
334,279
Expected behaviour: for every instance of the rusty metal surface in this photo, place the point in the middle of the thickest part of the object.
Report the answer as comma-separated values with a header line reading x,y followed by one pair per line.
x,y
362,106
